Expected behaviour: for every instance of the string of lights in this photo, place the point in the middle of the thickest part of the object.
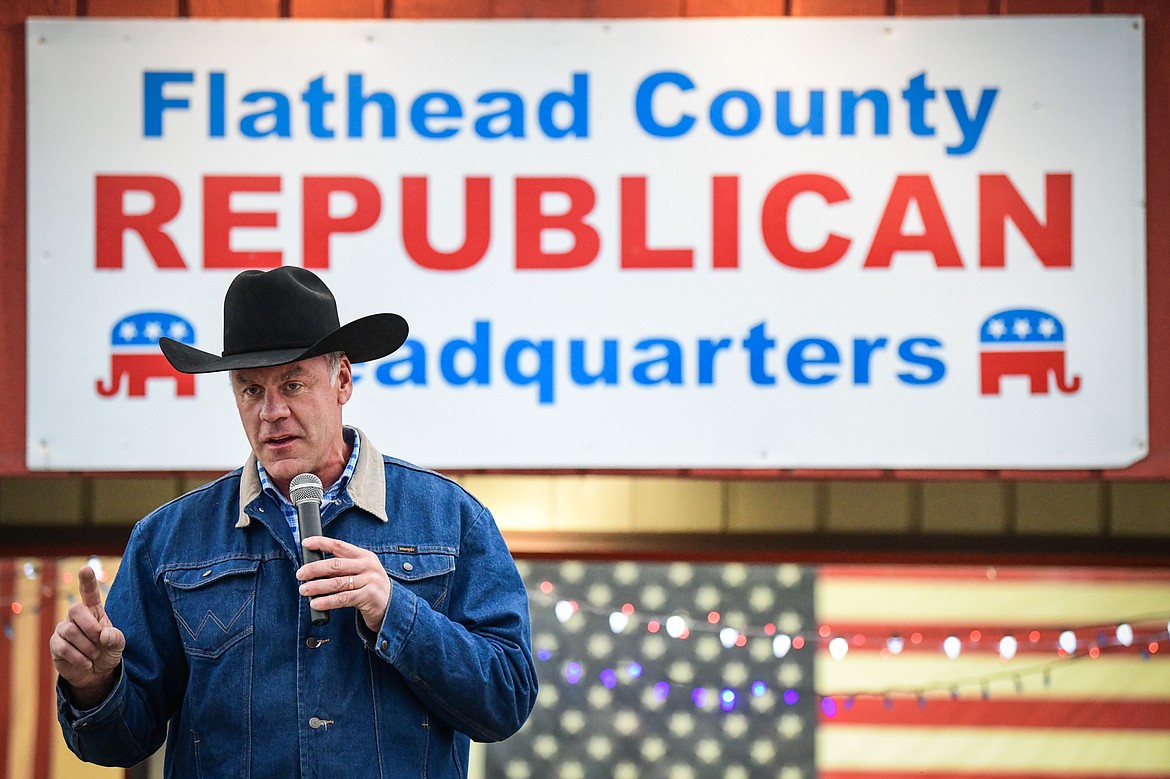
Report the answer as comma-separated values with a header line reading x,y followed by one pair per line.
x,y
1144,633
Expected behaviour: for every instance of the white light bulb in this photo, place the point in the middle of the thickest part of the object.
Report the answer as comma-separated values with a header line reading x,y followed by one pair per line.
x,y
838,648
618,621
564,610
781,644
728,637
952,647
1068,642
895,644
1125,634
1007,647
676,626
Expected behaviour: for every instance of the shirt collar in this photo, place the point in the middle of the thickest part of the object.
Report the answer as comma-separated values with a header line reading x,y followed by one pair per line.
x,y
366,483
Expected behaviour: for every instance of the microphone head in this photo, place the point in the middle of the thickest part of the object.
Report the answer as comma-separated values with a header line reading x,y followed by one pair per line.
x,y
305,486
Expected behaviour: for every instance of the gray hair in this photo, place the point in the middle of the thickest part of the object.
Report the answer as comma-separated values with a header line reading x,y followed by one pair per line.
x,y
334,366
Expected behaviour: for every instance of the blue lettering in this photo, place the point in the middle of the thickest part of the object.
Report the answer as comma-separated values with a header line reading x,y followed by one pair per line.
x,y
513,112
669,364
543,374
816,114
863,350
881,111
316,97
719,113
970,126
153,102
278,116
421,114
917,95
479,350
812,351
412,356
644,105
578,107
910,353
707,351
609,363
357,100
758,343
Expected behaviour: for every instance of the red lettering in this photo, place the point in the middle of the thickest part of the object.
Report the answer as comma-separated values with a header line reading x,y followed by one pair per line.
x,y
999,201
318,224
219,219
635,252
935,238
531,222
477,216
111,220
725,221
774,221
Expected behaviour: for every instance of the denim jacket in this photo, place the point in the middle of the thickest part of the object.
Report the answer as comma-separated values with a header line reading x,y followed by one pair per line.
x,y
220,647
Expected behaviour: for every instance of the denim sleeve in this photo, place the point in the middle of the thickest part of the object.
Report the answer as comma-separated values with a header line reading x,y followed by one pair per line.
x,y
130,724
473,665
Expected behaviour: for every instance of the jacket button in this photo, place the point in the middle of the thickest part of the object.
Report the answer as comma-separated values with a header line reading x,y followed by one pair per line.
x,y
407,567
314,722
385,644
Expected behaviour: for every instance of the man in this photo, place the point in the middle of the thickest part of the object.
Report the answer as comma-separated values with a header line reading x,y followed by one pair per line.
x,y
207,629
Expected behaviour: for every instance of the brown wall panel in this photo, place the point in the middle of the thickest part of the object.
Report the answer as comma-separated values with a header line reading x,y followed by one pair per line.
x,y
734,7
840,7
639,8
1041,7
441,9
945,7
145,8
542,9
336,9
233,9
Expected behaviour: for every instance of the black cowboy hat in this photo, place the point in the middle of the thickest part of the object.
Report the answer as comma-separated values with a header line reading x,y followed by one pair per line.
x,y
285,315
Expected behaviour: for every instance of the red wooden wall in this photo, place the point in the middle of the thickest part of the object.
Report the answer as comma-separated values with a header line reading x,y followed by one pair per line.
x,y
13,143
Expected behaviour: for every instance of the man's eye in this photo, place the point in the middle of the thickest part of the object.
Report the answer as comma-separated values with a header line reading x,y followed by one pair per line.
x,y
293,386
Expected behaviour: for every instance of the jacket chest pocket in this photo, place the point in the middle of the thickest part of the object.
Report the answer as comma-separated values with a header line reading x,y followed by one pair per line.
x,y
214,604
426,574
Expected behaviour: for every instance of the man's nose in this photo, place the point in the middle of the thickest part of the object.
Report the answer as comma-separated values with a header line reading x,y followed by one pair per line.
x,y
273,407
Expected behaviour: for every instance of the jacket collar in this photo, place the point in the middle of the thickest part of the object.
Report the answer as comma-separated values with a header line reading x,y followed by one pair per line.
x,y
367,487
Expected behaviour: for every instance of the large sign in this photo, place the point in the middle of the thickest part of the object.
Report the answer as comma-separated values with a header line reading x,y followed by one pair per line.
x,y
899,243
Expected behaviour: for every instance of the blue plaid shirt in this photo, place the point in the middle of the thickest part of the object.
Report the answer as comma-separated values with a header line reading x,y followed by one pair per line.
x,y
286,506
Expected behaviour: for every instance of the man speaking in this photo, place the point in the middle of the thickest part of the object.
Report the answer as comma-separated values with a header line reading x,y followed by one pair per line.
x,y
375,649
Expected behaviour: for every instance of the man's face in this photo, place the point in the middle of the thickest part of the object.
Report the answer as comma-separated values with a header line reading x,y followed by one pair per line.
x,y
292,417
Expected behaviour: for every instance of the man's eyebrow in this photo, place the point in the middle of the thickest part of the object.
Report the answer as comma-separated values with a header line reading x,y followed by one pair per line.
x,y
241,377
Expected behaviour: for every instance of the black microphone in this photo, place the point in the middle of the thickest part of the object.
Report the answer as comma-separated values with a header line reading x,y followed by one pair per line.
x,y
306,492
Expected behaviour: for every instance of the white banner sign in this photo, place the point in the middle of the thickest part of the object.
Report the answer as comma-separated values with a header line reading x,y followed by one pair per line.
x,y
891,243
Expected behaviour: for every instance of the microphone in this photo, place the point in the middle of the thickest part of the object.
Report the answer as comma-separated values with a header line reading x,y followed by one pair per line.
x,y
306,492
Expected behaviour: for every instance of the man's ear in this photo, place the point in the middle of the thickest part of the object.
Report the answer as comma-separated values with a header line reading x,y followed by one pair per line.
x,y
344,382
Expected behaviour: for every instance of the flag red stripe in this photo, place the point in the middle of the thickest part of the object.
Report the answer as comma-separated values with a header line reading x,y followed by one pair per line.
x,y
986,574
993,712
822,774
873,636
7,589
46,678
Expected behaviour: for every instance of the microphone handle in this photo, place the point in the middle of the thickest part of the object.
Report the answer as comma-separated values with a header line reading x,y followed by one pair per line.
x,y
309,525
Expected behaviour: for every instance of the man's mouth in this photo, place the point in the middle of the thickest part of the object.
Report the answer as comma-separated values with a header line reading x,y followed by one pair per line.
x,y
279,441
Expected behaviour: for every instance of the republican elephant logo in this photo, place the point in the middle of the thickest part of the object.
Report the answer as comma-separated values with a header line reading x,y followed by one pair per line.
x,y
135,356
1024,342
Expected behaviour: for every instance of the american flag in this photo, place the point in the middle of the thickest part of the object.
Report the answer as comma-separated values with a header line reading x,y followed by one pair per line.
x,y
844,672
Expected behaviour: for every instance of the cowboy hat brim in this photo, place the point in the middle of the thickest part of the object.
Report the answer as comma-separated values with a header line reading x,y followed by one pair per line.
x,y
364,339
